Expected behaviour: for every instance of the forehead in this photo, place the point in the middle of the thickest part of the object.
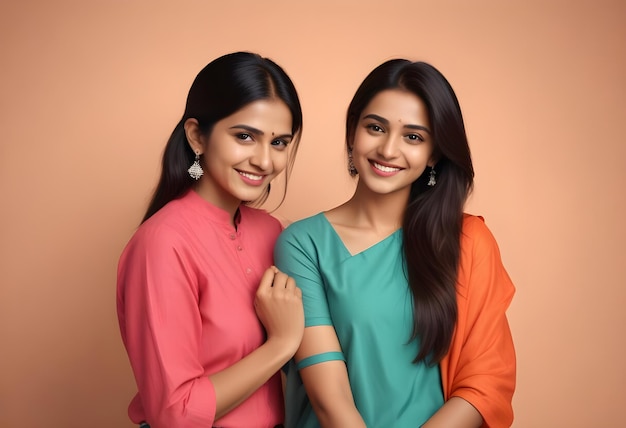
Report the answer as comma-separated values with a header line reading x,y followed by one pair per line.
x,y
398,105
265,114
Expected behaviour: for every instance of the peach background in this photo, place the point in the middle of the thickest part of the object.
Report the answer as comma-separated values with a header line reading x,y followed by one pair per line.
x,y
89,91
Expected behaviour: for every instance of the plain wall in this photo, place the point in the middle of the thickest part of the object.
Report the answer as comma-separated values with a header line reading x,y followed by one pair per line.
x,y
90,91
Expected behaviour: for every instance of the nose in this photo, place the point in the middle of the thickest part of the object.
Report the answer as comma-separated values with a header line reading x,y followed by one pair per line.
x,y
262,157
388,148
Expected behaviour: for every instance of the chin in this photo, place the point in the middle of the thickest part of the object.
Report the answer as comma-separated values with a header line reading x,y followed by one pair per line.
x,y
251,196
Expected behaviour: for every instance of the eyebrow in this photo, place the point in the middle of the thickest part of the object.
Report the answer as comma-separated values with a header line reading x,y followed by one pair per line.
x,y
386,123
256,131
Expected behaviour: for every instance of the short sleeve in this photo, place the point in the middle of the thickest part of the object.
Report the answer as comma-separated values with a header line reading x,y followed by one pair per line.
x,y
296,255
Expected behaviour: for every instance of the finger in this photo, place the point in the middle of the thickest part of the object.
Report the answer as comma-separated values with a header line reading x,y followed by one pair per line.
x,y
291,284
267,279
280,280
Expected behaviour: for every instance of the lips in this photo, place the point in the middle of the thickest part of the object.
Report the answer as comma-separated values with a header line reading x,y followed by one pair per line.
x,y
251,179
385,168
251,176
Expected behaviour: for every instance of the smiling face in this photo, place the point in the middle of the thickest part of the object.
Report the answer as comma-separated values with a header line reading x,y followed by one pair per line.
x,y
392,142
243,152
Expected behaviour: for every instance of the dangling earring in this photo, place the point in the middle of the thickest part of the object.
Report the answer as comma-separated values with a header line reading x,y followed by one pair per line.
x,y
431,178
351,168
195,170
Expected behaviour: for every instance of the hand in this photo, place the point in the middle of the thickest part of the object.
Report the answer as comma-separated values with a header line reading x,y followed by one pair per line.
x,y
278,304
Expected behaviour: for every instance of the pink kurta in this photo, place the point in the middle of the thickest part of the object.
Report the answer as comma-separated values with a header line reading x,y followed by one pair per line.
x,y
186,286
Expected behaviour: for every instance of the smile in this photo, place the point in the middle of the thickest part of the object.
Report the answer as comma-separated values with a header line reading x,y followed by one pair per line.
x,y
252,179
251,176
384,168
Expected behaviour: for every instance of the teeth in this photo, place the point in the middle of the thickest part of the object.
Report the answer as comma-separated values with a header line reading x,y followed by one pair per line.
x,y
251,176
385,168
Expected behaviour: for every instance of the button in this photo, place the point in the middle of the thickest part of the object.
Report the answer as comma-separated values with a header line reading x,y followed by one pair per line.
x,y
239,248
248,271
232,236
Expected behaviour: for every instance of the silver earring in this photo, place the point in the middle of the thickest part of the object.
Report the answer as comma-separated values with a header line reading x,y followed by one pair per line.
x,y
351,168
431,178
195,170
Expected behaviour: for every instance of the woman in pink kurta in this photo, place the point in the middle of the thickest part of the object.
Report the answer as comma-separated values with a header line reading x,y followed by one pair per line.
x,y
206,319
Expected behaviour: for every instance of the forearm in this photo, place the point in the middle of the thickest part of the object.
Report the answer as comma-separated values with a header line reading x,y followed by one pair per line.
x,y
338,417
237,382
330,394
455,413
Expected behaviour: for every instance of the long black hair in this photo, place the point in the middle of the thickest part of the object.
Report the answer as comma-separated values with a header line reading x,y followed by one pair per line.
x,y
223,87
433,219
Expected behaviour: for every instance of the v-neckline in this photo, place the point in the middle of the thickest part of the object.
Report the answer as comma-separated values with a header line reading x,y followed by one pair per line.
x,y
345,247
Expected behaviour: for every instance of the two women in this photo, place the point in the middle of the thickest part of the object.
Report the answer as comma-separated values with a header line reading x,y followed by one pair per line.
x,y
404,294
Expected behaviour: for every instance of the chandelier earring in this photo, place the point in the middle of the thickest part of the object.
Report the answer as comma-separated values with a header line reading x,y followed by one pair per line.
x,y
351,168
431,178
195,170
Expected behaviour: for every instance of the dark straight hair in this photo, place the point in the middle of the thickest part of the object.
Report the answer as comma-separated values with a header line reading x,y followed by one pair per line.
x,y
433,218
223,87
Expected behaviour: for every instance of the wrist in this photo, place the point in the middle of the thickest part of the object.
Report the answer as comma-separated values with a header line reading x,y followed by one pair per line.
x,y
283,348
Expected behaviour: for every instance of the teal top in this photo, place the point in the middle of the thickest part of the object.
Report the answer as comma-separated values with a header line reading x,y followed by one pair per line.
x,y
366,298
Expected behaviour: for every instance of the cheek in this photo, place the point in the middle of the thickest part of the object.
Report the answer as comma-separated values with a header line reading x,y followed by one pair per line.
x,y
362,143
280,160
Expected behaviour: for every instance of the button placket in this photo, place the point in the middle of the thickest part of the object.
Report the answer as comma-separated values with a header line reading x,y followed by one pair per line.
x,y
234,237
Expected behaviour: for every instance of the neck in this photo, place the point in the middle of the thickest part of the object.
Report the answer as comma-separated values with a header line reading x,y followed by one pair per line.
x,y
219,199
384,212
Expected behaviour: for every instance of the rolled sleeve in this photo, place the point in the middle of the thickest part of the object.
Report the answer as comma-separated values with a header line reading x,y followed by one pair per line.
x,y
161,327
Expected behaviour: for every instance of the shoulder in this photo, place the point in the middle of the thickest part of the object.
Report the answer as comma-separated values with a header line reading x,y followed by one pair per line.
x,y
302,234
259,217
259,228
475,233
166,224
313,221
481,262
159,232
306,227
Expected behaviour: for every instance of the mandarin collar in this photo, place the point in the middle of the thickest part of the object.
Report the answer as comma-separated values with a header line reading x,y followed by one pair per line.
x,y
213,212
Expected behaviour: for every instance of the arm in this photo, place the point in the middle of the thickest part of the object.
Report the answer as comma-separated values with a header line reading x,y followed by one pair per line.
x,y
327,383
455,413
325,376
162,329
278,304
480,365
161,325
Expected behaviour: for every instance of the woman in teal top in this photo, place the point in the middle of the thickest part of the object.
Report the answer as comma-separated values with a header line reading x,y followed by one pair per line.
x,y
365,298
379,275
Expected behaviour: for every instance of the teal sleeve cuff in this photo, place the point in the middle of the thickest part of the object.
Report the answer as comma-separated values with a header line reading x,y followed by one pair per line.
x,y
315,321
320,358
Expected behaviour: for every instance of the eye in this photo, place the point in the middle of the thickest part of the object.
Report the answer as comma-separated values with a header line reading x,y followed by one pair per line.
x,y
280,144
374,128
415,138
244,137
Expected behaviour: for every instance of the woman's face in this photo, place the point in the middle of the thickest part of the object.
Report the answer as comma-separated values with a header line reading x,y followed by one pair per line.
x,y
392,142
244,152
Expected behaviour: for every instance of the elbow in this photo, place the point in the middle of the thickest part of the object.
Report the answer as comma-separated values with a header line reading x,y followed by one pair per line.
x,y
193,406
334,413
176,416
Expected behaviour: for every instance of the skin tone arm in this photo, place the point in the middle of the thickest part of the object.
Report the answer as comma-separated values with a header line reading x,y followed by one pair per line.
x,y
333,402
278,305
455,413
327,383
